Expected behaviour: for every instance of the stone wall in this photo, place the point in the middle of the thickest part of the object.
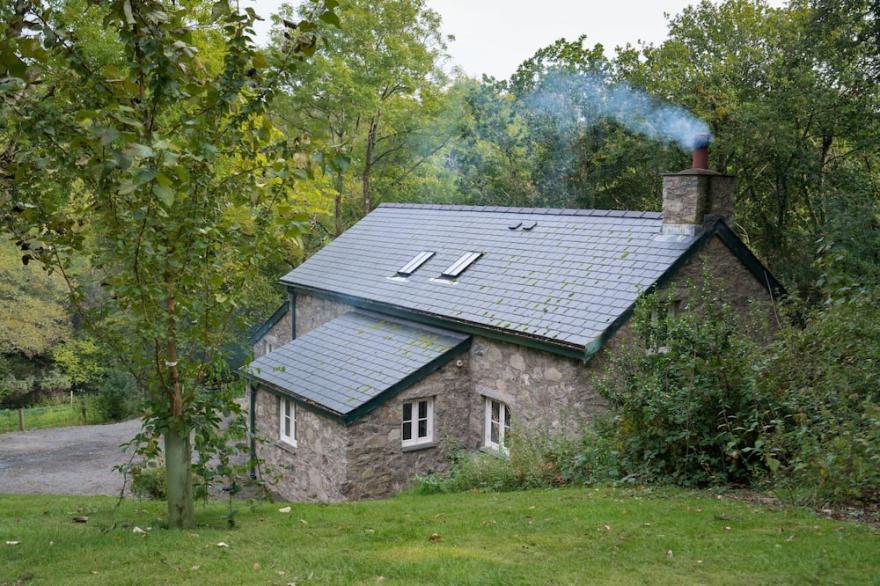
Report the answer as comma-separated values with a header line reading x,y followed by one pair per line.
x,y
379,466
313,312
278,335
315,470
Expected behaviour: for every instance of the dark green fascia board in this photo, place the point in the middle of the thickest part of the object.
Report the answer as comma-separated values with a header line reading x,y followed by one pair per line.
x,y
269,323
291,298
569,351
386,395
716,227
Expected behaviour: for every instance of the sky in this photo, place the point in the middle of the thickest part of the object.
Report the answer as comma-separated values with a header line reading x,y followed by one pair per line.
x,y
494,36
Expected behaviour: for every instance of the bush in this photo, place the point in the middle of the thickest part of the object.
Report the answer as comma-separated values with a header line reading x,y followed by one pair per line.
x,y
118,397
826,380
149,482
684,411
533,461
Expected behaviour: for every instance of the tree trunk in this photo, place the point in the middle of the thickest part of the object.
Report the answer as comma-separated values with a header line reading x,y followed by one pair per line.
x,y
337,202
178,472
368,162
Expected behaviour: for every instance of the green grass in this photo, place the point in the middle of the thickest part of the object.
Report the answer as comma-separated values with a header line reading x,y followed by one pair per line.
x,y
537,537
61,415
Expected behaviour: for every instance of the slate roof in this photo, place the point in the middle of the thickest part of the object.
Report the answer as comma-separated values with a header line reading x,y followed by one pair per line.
x,y
346,363
564,281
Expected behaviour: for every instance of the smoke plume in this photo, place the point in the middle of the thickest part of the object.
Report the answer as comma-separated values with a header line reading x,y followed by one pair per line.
x,y
586,99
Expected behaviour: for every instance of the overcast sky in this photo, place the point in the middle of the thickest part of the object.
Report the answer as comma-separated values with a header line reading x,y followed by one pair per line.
x,y
494,36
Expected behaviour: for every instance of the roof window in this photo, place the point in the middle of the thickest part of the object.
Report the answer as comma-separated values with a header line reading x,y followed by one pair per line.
x,y
459,266
530,225
413,265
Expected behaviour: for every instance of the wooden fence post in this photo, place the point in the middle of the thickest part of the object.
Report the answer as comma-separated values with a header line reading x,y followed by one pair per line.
x,y
21,419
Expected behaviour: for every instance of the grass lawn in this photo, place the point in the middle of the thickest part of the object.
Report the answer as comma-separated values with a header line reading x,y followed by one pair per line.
x,y
538,537
60,415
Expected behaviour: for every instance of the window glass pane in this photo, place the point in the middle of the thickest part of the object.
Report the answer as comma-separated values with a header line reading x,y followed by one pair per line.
x,y
423,409
496,408
407,430
287,426
423,428
286,408
407,411
493,432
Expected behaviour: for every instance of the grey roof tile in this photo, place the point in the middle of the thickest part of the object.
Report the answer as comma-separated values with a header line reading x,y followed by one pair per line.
x,y
349,361
584,265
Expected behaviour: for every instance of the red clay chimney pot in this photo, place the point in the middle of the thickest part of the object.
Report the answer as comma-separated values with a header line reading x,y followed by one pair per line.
x,y
701,152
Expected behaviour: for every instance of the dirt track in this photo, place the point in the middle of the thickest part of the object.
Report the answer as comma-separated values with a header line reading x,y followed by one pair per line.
x,y
68,460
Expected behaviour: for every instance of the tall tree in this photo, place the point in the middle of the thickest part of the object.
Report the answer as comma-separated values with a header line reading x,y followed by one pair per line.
x,y
370,91
163,170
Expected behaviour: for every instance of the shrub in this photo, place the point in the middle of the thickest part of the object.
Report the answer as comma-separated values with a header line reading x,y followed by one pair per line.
x,y
118,397
684,411
149,482
826,379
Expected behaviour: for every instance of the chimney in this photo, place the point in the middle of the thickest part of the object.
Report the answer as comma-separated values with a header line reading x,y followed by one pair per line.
x,y
690,196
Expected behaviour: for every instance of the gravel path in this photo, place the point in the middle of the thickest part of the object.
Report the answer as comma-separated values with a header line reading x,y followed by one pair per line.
x,y
66,460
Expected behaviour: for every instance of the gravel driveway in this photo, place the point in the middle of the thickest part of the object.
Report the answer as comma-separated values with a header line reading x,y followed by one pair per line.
x,y
66,460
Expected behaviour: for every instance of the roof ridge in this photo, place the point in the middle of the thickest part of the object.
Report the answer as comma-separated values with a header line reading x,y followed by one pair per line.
x,y
536,211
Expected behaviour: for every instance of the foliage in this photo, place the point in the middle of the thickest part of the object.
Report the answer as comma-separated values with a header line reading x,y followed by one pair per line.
x,y
684,411
372,96
537,536
826,379
118,397
33,313
163,172
149,482
82,360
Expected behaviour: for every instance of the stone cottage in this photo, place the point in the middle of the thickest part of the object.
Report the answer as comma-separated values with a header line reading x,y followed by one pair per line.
x,y
428,327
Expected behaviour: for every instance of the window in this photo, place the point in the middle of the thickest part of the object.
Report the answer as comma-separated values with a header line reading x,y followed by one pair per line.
x,y
497,426
417,426
287,411
459,266
411,267
269,347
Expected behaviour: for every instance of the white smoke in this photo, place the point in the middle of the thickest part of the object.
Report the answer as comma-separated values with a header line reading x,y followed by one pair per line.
x,y
585,99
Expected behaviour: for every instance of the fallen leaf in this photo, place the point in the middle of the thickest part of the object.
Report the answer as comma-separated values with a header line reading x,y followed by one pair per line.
x,y
699,561
257,566
138,531
12,542
669,553
284,510
222,544
380,578
196,568
607,527
434,537
303,521
280,572
727,528
790,537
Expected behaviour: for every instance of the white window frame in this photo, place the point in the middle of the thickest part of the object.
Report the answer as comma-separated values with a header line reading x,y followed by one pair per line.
x,y
503,424
286,411
415,439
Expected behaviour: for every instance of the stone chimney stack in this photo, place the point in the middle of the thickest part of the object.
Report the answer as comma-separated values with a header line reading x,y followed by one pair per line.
x,y
691,195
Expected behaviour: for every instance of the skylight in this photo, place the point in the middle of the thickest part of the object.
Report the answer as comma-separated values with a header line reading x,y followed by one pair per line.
x,y
459,266
411,267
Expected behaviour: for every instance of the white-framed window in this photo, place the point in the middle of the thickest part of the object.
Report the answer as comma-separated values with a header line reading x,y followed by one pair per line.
x,y
659,330
287,421
417,423
497,425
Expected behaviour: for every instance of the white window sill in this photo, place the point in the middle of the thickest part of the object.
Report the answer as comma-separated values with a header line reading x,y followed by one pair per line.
x,y
418,446
496,451
286,446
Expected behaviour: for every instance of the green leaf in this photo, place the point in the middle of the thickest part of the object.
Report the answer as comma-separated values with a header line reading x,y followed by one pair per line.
x,y
331,18
165,194
106,135
219,9
137,150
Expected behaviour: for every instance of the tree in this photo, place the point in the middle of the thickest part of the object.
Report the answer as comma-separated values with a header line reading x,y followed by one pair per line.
x,y
161,168
371,92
